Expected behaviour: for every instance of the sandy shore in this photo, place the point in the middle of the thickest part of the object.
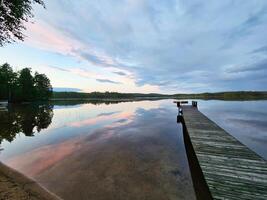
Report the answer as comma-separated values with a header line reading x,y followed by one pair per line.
x,y
14,185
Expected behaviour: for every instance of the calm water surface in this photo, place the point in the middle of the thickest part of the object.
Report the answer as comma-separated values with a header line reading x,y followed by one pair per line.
x,y
245,120
130,150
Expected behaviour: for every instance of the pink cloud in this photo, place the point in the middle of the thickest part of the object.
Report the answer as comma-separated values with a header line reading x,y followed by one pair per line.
x,y
45,37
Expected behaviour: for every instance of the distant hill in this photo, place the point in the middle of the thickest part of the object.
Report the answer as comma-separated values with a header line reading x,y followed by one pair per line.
x,y
237,95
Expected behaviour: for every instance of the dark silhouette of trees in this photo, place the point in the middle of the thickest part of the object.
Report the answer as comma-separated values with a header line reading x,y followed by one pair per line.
x,y
27,119
22,86
43,88
26,85
13,15
7,80
237,95
103,95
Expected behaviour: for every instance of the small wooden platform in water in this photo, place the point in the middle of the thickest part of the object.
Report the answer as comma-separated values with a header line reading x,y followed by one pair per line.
x,y
229,169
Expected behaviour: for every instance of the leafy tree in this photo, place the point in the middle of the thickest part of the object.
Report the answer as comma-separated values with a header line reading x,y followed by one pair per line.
x,y
26,85
13,15
43,86
22,86
7,81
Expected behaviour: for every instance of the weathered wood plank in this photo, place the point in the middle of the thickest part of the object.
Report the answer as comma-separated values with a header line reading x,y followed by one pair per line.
x,y
230,169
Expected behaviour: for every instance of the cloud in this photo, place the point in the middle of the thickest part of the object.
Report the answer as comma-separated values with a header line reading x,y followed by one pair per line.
x,y
43,36
258,66
262,49
92,58
160,43
60,42
59,68
85,73
120,73
107,81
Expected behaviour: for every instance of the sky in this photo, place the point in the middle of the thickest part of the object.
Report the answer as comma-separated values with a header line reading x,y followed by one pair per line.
x,y
170,46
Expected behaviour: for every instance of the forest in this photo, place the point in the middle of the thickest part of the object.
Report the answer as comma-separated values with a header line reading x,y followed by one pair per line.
x,y
236,95
22,86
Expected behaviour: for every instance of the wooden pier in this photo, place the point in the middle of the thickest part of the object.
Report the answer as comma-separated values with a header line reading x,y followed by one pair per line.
x,y
221,166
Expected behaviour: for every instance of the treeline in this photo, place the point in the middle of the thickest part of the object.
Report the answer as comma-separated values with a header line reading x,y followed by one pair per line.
x,y
22,86
239,95
101,95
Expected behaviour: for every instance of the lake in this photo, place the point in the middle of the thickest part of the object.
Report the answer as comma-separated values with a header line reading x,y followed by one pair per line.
x,y
128,150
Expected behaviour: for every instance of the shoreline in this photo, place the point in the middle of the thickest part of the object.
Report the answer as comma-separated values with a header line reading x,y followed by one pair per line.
x,y
118,100
14,185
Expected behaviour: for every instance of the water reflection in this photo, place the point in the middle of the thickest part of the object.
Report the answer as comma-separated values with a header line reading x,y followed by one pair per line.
x,y
26,119
141,159
126,150
31,118
91,101
246,121
130,150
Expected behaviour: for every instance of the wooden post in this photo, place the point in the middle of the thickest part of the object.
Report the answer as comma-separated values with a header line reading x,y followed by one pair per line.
x,y
194,103
180,115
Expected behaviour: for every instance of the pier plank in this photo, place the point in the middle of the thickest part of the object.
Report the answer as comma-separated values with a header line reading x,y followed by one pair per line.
x,y
230,169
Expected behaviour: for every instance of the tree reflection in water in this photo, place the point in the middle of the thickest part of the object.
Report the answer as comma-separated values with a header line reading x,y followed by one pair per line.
x,y
27,119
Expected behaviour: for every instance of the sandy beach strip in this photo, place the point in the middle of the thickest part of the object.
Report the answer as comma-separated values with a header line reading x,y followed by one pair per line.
x,y
14,185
